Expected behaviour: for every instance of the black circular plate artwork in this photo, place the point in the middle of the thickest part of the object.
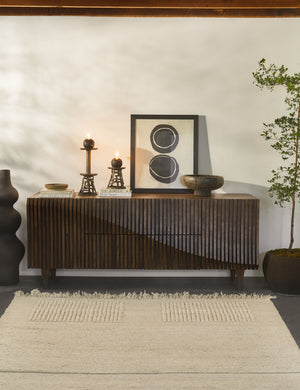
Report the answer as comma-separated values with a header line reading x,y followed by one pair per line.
x,y
164,138
164,168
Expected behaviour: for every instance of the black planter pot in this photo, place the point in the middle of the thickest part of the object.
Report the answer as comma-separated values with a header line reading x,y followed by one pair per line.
x,y
11,248
282,273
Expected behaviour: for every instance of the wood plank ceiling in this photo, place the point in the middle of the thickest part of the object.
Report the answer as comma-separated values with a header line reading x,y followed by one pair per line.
x,y
168,8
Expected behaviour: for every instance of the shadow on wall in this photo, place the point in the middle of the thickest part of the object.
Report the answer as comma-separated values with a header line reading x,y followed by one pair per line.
x,y
204,161
274,226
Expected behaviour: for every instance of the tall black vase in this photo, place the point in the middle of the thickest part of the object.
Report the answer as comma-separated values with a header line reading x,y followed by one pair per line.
x,y
11,248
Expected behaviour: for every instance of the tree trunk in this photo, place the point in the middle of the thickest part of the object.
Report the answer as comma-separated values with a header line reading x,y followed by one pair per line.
x,y
292,223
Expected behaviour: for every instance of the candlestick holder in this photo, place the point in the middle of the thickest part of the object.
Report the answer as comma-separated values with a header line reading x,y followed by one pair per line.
x,y
116,177
87,185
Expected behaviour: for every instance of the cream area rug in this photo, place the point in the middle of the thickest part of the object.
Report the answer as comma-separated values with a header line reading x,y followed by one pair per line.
x,y
145,342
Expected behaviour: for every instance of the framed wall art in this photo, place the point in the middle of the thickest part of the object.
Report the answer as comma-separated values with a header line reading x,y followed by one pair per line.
x,y
163,148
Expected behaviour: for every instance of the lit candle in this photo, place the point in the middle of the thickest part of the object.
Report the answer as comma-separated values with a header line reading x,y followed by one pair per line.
x,y
88,143
116,162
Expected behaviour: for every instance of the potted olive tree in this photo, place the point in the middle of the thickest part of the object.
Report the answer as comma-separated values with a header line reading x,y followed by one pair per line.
x,y
282,266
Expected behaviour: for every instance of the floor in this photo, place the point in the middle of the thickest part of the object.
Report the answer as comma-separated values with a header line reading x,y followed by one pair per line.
x,y
287,305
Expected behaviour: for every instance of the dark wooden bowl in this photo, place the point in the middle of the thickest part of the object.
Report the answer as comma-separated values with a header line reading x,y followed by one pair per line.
x,y
203,184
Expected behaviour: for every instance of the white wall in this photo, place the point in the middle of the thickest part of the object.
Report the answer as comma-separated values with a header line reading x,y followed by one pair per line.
x,y
62,77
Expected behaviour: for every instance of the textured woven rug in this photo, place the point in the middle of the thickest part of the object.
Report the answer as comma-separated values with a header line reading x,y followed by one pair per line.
x,y
90,342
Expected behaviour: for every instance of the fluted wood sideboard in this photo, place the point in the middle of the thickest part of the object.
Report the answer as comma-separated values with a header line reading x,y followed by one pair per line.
x,y
147,231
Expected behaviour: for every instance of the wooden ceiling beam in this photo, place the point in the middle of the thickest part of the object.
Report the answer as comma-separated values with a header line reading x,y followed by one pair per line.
x,y
125,12
148,4
163,8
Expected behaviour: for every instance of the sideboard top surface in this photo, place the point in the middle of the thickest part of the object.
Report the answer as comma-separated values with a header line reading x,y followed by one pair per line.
x,y
161,196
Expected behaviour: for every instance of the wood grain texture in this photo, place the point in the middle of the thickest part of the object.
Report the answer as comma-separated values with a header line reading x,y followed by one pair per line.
x,y
155,8
204,4
139,12
150,231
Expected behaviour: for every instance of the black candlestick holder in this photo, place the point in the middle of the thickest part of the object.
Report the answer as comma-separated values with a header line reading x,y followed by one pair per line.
x,y
116,177
87,185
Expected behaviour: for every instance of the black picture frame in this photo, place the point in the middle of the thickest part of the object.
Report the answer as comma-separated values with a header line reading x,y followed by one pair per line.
x,y
147,159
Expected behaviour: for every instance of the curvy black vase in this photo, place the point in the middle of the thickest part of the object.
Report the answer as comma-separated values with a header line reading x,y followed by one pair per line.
x,y
11,248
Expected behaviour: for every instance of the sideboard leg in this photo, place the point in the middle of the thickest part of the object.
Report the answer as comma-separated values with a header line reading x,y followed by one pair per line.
x,y
232,275
239,279
53,273
45,276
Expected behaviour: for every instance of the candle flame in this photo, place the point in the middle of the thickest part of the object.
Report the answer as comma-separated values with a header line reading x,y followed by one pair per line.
x,y
117,155
88,136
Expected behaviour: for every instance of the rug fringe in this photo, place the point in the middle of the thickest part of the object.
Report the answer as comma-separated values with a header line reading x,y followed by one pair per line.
x,y
140,295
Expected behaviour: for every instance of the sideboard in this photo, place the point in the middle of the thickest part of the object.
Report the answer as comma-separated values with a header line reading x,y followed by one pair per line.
x,y
146,232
